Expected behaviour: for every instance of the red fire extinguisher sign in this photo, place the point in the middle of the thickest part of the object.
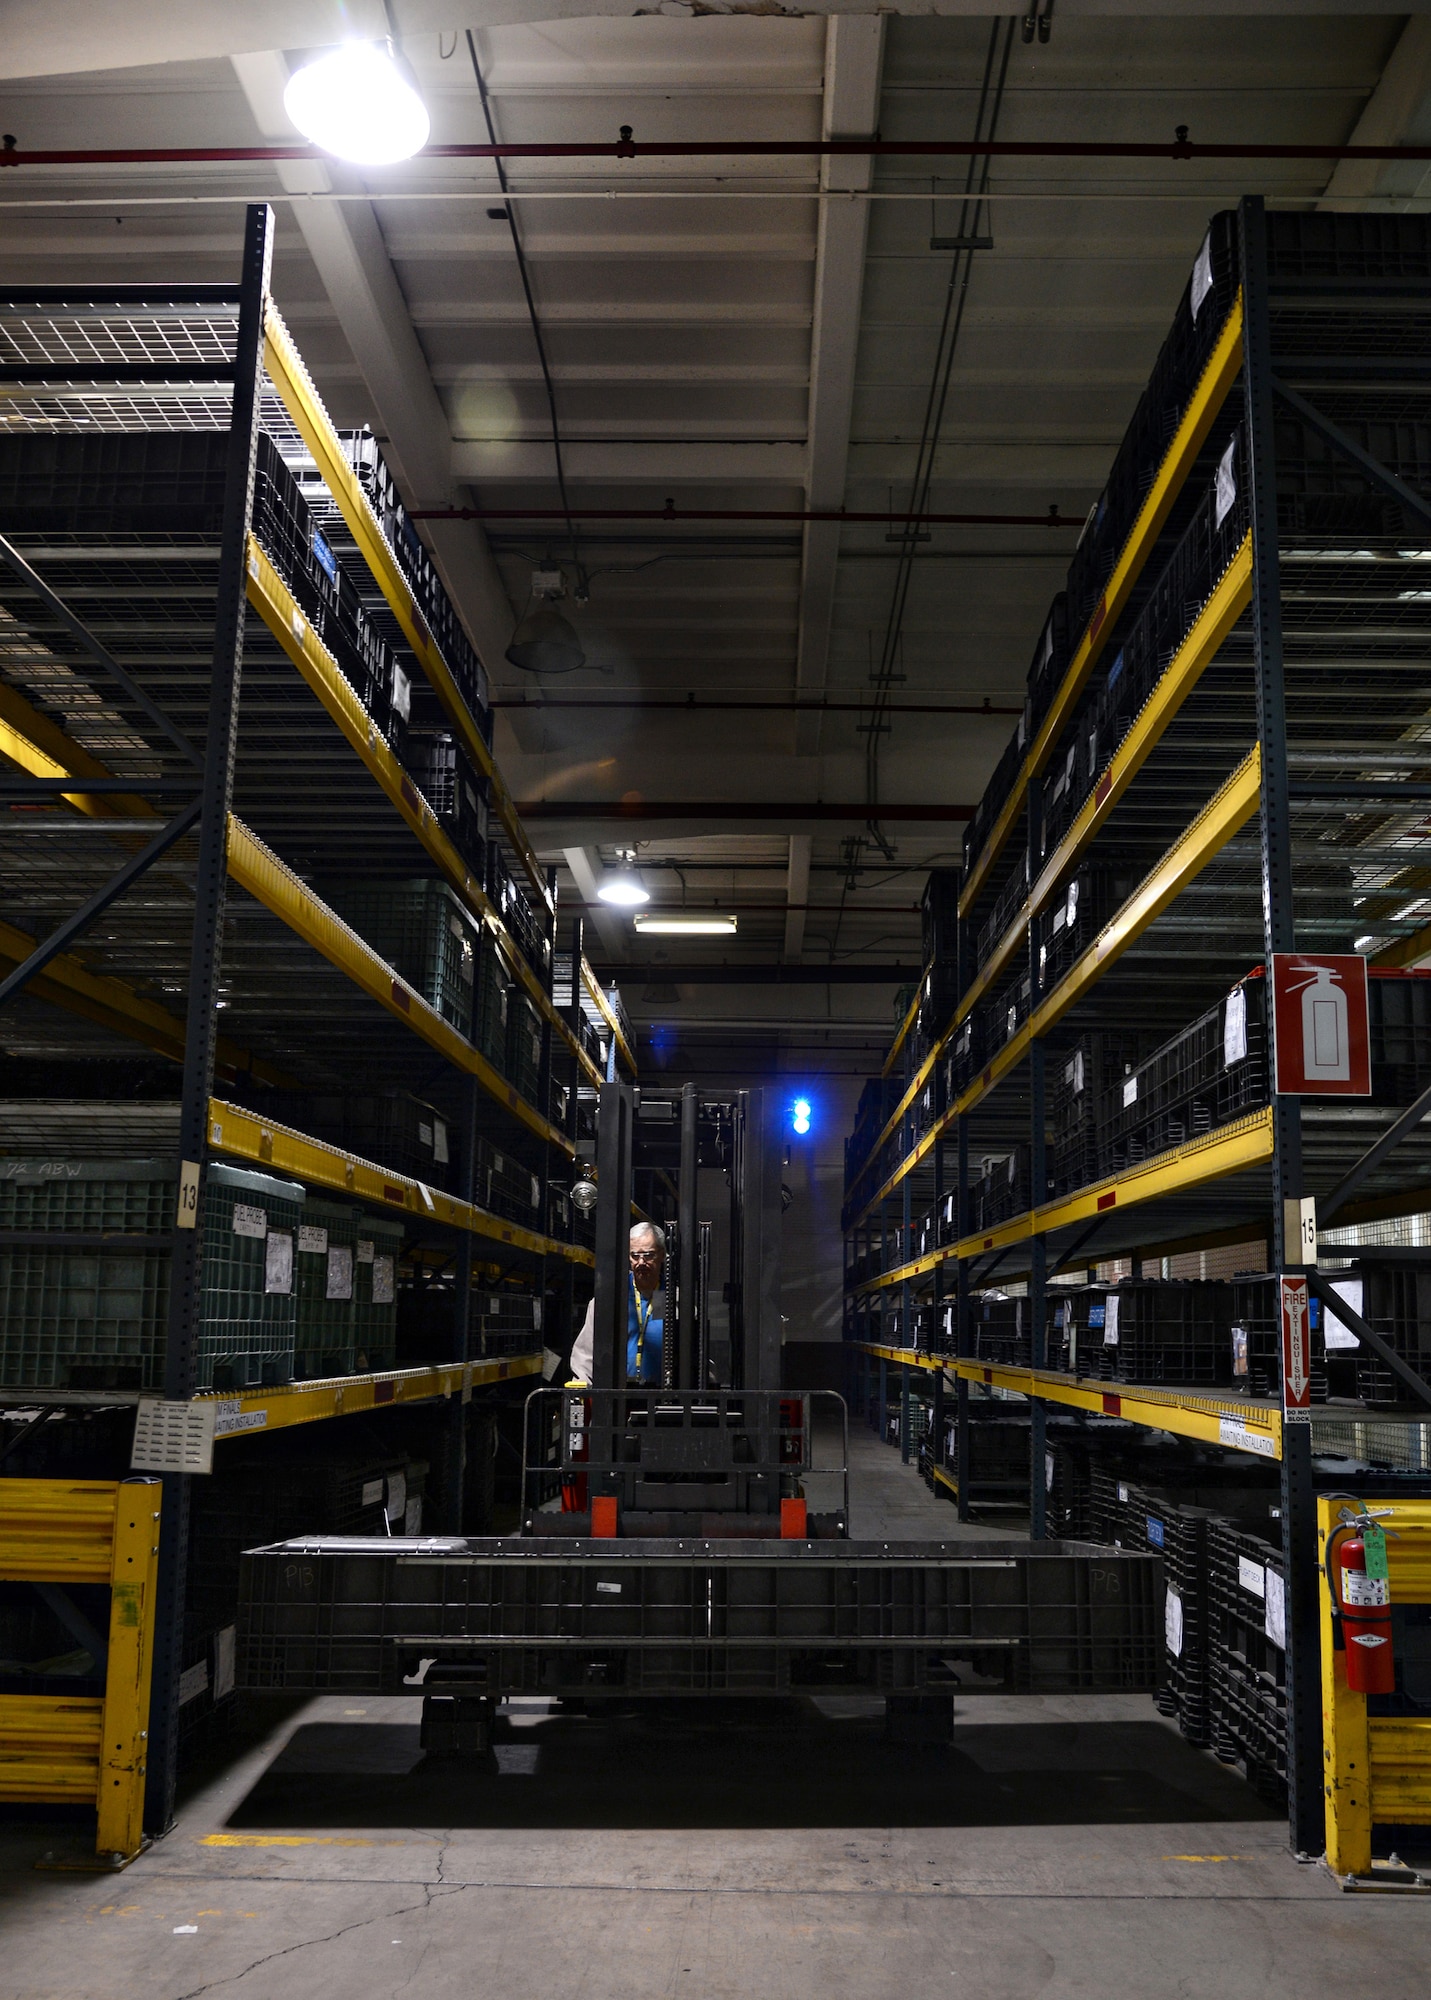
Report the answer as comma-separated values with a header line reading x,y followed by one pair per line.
x,y
1296,1352
1320,1036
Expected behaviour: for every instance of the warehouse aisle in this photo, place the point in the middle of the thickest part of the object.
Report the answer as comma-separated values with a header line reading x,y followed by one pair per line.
x,y
889,1500
766,1850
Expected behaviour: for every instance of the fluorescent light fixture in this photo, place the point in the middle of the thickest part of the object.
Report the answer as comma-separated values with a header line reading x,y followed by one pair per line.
x,y
623,891
356,103
712,924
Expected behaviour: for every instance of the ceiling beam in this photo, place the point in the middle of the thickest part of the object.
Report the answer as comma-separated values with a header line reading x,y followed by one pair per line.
x,y
1386,120
797,889
346,244
582,866
854,46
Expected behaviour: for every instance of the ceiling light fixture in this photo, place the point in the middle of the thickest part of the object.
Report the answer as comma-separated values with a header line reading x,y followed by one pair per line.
x,y
545,642
712,924
623,891
356,103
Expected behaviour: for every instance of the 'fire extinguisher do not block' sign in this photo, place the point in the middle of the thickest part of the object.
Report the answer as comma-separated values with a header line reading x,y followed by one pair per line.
x,y
1320,1037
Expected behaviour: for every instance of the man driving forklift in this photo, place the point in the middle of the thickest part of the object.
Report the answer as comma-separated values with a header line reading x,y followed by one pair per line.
x,y
645,1313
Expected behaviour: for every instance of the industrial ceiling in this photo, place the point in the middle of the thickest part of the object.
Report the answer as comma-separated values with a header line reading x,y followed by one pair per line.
x,y
783,718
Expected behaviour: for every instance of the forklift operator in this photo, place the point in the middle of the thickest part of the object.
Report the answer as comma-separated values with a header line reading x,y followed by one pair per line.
x,y
645,1312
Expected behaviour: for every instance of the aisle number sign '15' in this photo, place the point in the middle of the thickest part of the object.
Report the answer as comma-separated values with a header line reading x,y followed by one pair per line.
x,y
1320,1035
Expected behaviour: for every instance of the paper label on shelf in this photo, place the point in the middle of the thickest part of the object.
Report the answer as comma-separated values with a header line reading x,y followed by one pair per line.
x,y
1173,1623
1130,1090
312,1240
1333,1332
1110,1320
424,1133
225,1650
193,1682
372,1493
1201,277
412,1516
384,1289
397,1495
249,1221
366,1249
230,1417
1239,1350
1250,1576
1048,1472
1122,1491
278,1263
439,1142
173,1437
1232,1432
1226,484
1157,1536
1275,1623
1234,1028
340,1271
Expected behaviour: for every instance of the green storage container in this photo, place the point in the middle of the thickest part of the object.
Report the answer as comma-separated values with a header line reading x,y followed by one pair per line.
x,y
91,1316
424,933
250,1224
327,1252
379,1242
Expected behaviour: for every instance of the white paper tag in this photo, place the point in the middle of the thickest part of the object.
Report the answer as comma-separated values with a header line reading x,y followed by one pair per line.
x,y
1048,1472
439,1142
193,1682
1234,1028
1275,1624
1122,1491
312,1240
412,1516
249,1221
340,1271
225,1649
1233,1433
402,693
372,1493
1249,1575
1173,1623
1201,277
173,1437
1110,1334
366,1249
424,1135
278,1264
1130,1090
1226,484
1333,1332
384,1291
397,1495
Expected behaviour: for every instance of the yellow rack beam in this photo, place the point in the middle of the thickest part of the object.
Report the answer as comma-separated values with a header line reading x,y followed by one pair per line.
x,y
291,379
1229,1150
906,1026
1211,627
241,1412
1207,399
275,604
1230,1421
604,1008
245,1136
273,883
1224,815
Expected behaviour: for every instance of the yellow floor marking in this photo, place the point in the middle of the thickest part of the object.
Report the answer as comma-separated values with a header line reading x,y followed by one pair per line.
x,y
291,1840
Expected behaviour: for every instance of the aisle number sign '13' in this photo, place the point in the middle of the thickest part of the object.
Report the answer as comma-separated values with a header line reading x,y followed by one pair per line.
x,y
1321,1040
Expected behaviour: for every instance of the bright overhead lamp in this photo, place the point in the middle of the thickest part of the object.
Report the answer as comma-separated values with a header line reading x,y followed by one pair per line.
x,y
356,103
623,891
712,924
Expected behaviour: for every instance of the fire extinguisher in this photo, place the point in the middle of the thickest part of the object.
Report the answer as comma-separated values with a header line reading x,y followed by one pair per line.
x,y
1361,1595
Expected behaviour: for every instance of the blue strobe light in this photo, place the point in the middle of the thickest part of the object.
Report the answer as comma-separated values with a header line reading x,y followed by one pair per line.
x,y
800,1116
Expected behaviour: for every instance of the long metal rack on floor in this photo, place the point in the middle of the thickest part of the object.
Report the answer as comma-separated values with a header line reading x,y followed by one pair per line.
x,y
1221,758
227,646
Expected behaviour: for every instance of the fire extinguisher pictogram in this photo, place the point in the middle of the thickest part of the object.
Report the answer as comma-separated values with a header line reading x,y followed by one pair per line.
x,y
1361,1596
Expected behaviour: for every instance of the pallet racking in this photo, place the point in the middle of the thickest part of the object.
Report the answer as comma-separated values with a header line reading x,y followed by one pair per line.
x,y
1222,757
192,752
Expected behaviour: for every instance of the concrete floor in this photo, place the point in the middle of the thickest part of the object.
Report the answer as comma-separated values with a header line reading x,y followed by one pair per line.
x,y
767,1851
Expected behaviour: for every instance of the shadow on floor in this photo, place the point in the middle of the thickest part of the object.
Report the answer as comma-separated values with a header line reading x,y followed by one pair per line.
x,y
749,1764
